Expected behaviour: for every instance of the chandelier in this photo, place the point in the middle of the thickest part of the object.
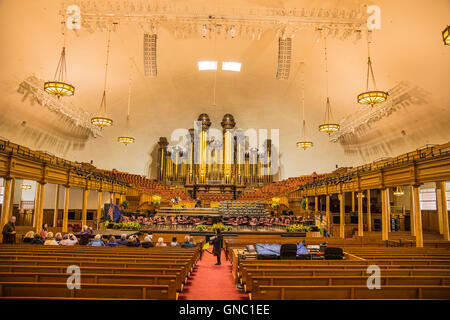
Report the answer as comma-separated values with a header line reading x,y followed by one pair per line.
x,y
398,191
304,143
375,96
102,120
446,36
25,186
58,86
127,139
328,126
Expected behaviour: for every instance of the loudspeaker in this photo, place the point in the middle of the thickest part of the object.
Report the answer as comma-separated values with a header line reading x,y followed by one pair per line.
x,y
284,58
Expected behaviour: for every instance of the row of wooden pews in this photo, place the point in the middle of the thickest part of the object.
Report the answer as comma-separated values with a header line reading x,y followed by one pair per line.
x,y
405,273
40,272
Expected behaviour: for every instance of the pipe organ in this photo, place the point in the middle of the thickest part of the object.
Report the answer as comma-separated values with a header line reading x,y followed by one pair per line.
x,y
207,160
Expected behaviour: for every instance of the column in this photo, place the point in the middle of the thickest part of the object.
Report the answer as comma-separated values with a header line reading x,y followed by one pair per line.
x,y
55,212
412,217
417,217
342,215
316,204
353,201
7,201
327,211
360,215
384,214
66,208
40,215
36,225
99,208
11,201
369,212
441,201
84,207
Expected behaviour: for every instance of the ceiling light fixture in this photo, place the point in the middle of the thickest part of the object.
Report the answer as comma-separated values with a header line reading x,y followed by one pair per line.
x,y
59,87
25,186
304,143
207,65
446,36
398,191
375,96
329,126
102,120
231,66
127,139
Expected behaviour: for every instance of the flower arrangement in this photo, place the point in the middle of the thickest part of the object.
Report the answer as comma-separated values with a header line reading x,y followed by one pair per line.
x,y
276,202
156,200
127,225
201,228
221,227
298,228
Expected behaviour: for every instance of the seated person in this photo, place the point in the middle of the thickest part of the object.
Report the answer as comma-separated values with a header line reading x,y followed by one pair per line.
x,y
37,239
112,242
43,232
50,240
147,242
85,235
97,242
174,242
187,242
69,240
29,236
161,242
58,238
123,240
133,241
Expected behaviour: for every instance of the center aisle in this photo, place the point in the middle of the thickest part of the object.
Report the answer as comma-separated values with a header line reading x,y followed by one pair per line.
x,y
211,282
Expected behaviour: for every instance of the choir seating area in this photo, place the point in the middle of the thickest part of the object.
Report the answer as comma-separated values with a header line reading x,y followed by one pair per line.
x,y
277,188
30,271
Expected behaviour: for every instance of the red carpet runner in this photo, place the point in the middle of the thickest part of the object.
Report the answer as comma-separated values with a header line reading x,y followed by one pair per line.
x,y
211,282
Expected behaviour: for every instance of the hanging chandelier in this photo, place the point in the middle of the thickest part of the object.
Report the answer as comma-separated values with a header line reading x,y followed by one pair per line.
x,y
304,143
102,120
328,126
398,191
25,186
127,139
58,86
446,36
375,96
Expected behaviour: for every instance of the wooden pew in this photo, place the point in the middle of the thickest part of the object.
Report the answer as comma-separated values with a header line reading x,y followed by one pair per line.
x,y
135,279
25,290
254,283
175,272
350,292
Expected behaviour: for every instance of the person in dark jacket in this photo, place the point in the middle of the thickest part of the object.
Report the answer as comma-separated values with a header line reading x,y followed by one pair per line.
x,y
85,235
123,240
29,236
147,242
218,244
133,241
37,239
187,243
112,242
9,231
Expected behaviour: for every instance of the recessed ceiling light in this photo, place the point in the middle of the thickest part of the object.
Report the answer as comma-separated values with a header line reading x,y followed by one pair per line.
x,y
207,65
231,66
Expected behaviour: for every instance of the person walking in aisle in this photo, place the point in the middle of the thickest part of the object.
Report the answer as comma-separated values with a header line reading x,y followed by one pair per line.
x,y
218,244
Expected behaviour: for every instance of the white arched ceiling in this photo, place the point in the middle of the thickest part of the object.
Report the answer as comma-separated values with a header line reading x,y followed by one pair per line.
x,y
407,50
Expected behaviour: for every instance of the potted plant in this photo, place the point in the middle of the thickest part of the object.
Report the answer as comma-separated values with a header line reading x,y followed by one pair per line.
x,y
275,204
201,228
156,200
125,204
